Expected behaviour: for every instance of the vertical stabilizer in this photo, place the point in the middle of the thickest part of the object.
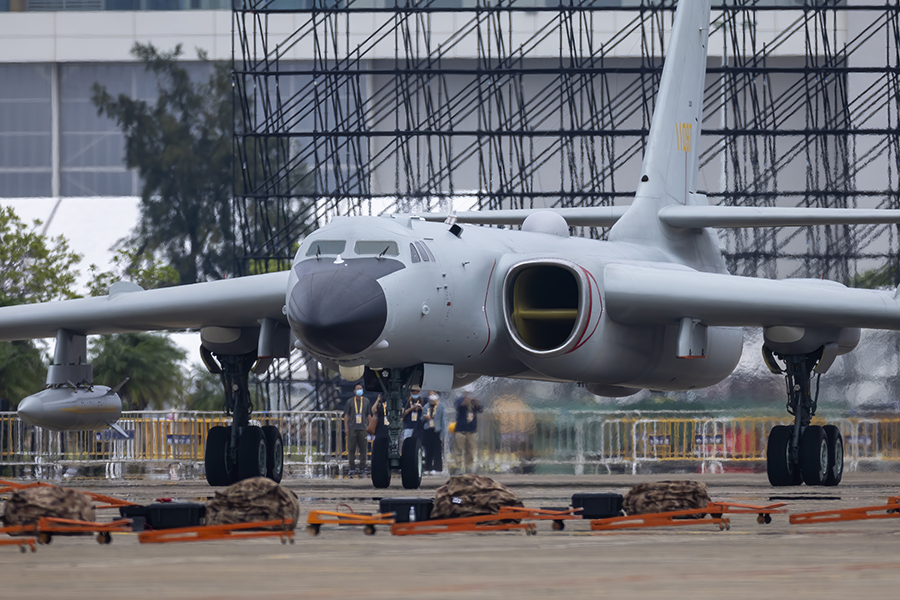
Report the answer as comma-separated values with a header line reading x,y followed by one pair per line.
x,y
669,171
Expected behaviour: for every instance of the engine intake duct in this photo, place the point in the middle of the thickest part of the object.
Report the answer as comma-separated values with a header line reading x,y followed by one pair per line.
x,y
542,305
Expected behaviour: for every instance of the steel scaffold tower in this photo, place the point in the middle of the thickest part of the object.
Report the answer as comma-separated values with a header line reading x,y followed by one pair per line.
x,y
366,106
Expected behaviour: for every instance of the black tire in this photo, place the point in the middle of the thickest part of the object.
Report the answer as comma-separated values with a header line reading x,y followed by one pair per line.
x,y
411,463
219,470
274,453
779,467
835,455
814,455
381,468
251,453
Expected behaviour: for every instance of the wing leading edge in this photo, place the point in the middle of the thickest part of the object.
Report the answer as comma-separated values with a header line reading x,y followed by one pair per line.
x,y
652,296
689,217
240,302
590,216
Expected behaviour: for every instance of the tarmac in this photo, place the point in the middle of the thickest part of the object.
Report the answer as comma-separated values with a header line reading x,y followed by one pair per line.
x,y
751,560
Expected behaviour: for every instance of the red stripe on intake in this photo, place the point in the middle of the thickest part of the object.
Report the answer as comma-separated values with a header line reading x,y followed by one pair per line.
x,y
484,306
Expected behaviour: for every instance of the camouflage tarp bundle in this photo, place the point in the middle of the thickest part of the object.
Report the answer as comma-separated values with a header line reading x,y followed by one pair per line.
x,y
251,500
666,496
30,504
471,495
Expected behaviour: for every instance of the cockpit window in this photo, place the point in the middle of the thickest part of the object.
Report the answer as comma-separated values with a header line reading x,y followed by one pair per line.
x,y
425,247
414,254
423,252
320,247
384,248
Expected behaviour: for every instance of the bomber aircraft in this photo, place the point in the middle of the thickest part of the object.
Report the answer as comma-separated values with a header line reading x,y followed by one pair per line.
x,y
437,301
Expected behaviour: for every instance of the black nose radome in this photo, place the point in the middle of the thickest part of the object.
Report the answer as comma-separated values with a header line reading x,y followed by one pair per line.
x,y
338,310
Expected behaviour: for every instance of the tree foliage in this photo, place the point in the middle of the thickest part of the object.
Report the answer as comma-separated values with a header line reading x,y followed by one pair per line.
x,y
181,147
33,268
887,276
151,361
144,270
205,392
23,370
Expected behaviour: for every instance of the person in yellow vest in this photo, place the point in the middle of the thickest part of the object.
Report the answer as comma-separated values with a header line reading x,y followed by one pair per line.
x,y
356,418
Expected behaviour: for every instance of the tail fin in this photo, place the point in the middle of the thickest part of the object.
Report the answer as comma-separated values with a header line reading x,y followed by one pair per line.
x,y
669,171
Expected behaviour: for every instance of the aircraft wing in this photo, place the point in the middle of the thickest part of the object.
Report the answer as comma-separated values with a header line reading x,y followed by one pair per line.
x,y
652,296
691,216
227,303
593,216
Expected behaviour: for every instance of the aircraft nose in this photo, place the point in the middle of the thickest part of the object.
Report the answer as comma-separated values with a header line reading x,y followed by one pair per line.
x,y
338,311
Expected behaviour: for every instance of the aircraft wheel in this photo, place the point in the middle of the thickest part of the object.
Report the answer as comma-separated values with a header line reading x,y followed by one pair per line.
x,y
369,529
779,467
411,463
381,468
313,529
274,453
219,470
252,453
44,538
104,537
558,525
835,455
814,455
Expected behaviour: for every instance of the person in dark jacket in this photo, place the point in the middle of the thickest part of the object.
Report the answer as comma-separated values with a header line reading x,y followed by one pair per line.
x,y
356,419
467,409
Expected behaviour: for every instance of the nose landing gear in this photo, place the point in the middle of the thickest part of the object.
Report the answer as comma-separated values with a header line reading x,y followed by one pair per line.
x,y
395,385
802,452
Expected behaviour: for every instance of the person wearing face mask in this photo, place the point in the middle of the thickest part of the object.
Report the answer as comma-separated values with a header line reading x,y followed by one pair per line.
x,y
356,418
433,424
412,416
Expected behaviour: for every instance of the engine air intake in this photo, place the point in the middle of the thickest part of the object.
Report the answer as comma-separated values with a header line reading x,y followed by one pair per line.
x,y
542,305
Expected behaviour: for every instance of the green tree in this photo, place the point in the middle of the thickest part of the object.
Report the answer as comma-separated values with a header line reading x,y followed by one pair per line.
x,y
181,147
144,270
886,276
205,392
33,268
151,361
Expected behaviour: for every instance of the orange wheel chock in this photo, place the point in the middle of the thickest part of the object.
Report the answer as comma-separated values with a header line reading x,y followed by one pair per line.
x,y
234,531
497,522
317,518
862,513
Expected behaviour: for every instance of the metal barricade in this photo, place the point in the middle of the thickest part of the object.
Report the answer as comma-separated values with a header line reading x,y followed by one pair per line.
x,y
518,441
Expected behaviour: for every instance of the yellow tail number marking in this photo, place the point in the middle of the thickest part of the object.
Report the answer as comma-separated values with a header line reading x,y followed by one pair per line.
x,y
683,133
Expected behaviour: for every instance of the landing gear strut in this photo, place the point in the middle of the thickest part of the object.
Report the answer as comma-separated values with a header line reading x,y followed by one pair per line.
x,y
802,452
242,450
395,385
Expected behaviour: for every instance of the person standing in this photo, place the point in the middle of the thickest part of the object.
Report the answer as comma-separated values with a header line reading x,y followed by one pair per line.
x,y
382,429
412,417
434,417
467,409
356,414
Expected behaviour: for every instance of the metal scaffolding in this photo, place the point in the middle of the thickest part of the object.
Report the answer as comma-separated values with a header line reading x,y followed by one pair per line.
x,y
365,106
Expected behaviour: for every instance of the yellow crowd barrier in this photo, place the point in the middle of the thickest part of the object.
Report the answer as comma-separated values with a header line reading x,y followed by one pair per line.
x,y
514,439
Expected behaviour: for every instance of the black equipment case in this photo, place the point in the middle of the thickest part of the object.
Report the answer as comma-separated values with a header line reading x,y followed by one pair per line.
x,y
165,515
598,505
404,508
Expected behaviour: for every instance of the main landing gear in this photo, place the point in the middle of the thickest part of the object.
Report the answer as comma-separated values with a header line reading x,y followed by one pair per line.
x,y
802,452
242,450
387,454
